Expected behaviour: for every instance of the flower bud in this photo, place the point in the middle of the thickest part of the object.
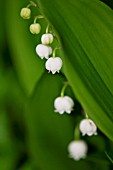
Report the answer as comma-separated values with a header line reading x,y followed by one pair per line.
x,y
35,28
88,127
47,39
77,149
25,13
63,104
53,64
43,51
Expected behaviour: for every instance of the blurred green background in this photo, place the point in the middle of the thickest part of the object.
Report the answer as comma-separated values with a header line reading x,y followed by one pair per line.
x,y
32,136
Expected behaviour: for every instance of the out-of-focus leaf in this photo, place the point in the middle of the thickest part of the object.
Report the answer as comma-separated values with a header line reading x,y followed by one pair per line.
x,y
7,146
10,88
22,45
1,24
85,29
48,132
12,102
27,166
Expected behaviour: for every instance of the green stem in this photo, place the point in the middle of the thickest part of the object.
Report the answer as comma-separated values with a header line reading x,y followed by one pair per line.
x,y
77,133
54,51
37,17
109,157
47,29
31,4
86,115
63,89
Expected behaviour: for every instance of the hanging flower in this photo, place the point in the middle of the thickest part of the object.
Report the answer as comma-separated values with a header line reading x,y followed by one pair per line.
x,y
53,64
25,13
35,28
88,127
47,39
77,149
43,51
63,104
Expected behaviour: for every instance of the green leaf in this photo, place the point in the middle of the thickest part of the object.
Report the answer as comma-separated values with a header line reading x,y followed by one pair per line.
x,y
8,150
86,35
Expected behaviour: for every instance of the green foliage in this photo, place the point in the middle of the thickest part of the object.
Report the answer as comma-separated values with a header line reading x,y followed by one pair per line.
x,y
50,133
86,36
32,135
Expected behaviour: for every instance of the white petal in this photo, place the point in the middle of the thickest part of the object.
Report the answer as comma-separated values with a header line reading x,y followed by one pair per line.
x,y
61,112
68,111
77,149
43,51
53,64
63,104
47,39
88,127
53,72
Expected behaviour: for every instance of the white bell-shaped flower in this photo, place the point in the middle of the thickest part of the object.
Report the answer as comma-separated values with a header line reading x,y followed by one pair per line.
x,y
25,13
35,28
43,51
63,104
53,64
88,127
77,149
47,39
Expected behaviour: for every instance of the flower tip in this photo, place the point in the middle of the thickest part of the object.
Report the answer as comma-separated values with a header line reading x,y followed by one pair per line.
x,y
68,112
53,72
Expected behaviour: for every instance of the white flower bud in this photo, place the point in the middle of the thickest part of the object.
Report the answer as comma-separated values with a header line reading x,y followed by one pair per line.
x,y
25,13
63,104
43,51
47,39
35,28
88,127
53,64
77,149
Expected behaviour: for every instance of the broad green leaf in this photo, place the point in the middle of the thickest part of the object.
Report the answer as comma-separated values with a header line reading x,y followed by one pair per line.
x,y
85,29
22,45
50,133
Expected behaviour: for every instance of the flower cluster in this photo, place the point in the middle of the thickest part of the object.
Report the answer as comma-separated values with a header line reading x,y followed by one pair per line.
x,y
63,104
43,50
78,148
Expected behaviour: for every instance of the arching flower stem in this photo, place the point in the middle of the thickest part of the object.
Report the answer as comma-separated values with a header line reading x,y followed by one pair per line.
x,y
77,133
31,4
54,51
63,89
38,17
